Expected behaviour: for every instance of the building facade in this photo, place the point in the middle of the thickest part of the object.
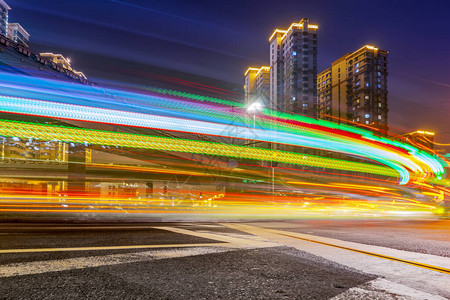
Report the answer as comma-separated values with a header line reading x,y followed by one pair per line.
x,y
289,83
4,8
18,34
293,68
29,149
257,85
354,88
62,61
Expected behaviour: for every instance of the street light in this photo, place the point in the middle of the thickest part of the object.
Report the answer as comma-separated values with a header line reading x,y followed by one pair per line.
x,y
254,108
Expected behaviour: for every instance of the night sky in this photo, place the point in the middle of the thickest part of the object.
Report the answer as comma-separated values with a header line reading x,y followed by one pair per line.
x,y
219,39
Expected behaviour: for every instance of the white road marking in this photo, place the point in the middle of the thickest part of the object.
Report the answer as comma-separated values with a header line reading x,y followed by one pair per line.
x,y
107,248
203,225
384,289
73,227
38,267
77,227
244,241
228,243
90,227
414,277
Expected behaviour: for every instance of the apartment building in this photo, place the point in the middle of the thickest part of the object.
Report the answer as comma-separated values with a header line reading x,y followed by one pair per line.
x,y
354,88
289,83
4,8
293,68
18,34
257,85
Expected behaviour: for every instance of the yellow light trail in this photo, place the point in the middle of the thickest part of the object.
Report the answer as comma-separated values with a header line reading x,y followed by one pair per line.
x,y
106,138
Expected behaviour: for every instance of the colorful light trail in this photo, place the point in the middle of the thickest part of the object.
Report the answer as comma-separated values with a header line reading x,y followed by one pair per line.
x,y
97,137
220,128
400,157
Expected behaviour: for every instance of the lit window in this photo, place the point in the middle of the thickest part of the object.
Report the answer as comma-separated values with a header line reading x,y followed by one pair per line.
x,y
367,116
379,86
379,117
379,104
305,104
367,84
293,98
357,65
357,70
367,122
294,53
366,97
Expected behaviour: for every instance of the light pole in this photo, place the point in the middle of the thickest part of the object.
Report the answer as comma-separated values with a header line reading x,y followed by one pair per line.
x,y
254,108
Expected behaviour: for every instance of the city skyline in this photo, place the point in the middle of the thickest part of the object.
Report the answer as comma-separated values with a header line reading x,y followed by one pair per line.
x,y
353,89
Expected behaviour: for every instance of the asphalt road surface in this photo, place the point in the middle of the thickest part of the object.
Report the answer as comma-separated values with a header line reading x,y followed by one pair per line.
x,y
308,259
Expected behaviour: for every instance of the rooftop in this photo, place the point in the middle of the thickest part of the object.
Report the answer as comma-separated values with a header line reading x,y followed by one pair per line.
x,y
293,25
3,3
17,59
18,27
257,70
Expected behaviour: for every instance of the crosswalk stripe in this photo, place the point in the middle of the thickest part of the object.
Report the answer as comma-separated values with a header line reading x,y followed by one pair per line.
x,y
39,267
4,251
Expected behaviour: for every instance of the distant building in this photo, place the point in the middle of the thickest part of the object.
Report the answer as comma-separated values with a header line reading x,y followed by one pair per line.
x,y
4,8
57,59
355,88
15,148
22,60
257,85
79,73
18,34
293,68
423,137
292,71
62,61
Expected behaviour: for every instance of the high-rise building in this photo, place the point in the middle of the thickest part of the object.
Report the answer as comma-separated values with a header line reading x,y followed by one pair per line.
x,y
18,34
293,68
354,88
257,85
4,8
